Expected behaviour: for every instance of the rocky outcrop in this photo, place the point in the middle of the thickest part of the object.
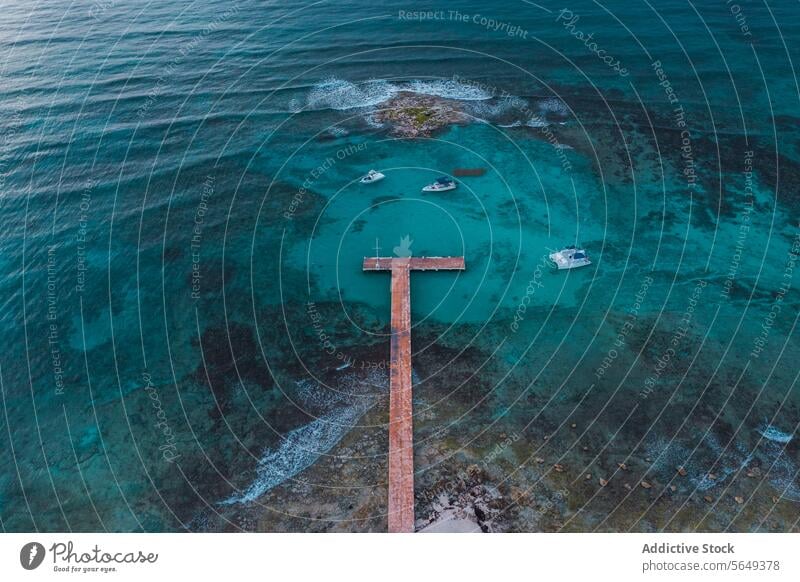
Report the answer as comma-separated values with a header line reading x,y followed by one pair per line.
x,y
415,115
463,505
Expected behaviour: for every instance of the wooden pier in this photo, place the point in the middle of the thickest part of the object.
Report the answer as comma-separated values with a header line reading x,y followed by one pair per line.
x,y
401,436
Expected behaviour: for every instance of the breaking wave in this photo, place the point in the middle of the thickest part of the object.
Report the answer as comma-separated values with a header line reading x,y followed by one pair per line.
x,y
504,110
449,89
337,131
774,434
726,461
535,122
301,447
508,105
554,105
783,472
298,451
339,94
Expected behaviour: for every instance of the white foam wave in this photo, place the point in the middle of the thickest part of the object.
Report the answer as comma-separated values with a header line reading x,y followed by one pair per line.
x,y
298,451
780,470
448,89
340,94
337,131
783,473
301,447
372,122
554,105
774,434
498,108
535,123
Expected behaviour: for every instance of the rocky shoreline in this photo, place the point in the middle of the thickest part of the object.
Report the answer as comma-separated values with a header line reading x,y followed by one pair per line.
x,y
513,477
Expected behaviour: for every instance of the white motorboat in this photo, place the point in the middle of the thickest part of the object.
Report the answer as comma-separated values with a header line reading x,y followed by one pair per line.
x,y
372,176
442,184
570,258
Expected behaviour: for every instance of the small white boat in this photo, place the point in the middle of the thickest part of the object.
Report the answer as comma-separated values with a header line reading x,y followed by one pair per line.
x,y
372,176
570,258
442,184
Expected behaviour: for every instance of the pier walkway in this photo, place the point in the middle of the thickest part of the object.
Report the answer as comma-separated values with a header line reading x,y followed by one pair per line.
x,y
401,437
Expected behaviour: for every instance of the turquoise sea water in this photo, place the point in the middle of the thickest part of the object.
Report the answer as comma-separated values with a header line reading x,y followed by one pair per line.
x,y
183,230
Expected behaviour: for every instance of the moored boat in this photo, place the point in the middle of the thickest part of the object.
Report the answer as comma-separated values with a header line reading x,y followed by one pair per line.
x,y
570,258
442,184
372,176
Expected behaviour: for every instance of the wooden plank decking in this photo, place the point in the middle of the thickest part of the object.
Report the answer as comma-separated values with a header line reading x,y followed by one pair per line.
x,y
401,434
414,263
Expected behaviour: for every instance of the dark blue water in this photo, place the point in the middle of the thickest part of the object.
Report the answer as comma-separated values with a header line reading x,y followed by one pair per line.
x,y
183,230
